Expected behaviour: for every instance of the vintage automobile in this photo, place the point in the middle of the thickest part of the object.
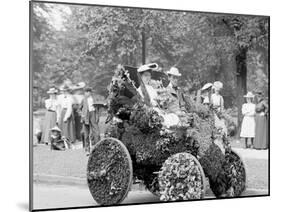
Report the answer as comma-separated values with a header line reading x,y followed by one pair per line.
x,y
175,163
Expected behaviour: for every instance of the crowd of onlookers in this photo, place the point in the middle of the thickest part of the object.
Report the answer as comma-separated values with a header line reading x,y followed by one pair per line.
x,y
72,115
254,127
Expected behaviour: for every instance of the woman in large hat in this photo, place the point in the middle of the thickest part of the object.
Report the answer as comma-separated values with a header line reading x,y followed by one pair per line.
x,y
261,132
148,93
206,92
217,103
51,115
66,119
248,123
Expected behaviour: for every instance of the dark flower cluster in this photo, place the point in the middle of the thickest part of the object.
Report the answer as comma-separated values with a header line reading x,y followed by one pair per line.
x,y
145,119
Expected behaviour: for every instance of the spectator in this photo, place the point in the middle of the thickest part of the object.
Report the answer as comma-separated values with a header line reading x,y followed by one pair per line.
x,y
89,117
66,117
261,135
217,104
51,115
206,92
248,123
57,141
78,97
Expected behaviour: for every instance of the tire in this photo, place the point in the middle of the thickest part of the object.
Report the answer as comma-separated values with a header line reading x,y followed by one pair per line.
x,y
109,172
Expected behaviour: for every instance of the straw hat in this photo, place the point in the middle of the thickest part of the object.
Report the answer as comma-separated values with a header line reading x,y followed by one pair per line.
x,y
259,92
79,85
217,85
148,67
55,129
65,88
52,91
174,71
88,89
249,95
206,86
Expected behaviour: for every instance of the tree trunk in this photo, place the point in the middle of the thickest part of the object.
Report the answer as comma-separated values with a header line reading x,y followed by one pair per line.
x,y
143,47
241,66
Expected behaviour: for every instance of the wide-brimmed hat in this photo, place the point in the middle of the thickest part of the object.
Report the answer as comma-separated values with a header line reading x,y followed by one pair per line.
x,y
259,92
217,85
148,67
88,89
249,95
56,128
206,86
174,71
79,85
52,91
65,88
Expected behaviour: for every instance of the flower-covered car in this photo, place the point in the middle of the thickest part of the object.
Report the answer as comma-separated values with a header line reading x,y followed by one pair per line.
x,y
174,163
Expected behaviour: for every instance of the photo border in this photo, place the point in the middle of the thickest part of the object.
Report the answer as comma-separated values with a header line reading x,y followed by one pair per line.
x,y
31,182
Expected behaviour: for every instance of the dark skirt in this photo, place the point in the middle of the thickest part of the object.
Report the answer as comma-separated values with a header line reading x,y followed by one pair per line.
x,y
49,123
78,124
261,132
68,127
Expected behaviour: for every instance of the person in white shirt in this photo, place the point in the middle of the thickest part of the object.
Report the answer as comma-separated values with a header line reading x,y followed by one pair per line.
x,y
66,117
90,119
217,103
51,115
248,123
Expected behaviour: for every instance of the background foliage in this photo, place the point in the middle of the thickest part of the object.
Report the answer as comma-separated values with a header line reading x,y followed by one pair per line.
x,y
87,43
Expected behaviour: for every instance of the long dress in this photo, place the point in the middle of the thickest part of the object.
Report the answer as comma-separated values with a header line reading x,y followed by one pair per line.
x,y
218,105
67,122
261,136
248,123
77,117
50,118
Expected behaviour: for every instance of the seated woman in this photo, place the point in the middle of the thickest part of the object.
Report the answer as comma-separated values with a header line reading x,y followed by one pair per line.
x,y
150,95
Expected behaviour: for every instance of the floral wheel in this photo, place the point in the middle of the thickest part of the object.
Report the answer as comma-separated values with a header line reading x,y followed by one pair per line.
x,y
236,173
109,172
181,178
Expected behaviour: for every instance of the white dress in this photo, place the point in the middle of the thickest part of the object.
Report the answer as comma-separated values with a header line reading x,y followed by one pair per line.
x,y
248,123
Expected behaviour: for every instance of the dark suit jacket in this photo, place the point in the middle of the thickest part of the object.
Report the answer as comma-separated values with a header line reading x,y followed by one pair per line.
x,y
179,101
86,117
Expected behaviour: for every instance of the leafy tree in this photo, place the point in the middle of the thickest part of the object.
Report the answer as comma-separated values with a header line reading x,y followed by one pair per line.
x,y
205,47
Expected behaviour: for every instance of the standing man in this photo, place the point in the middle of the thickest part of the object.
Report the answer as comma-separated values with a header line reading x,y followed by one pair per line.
x,y
178,105
78,95
89,118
